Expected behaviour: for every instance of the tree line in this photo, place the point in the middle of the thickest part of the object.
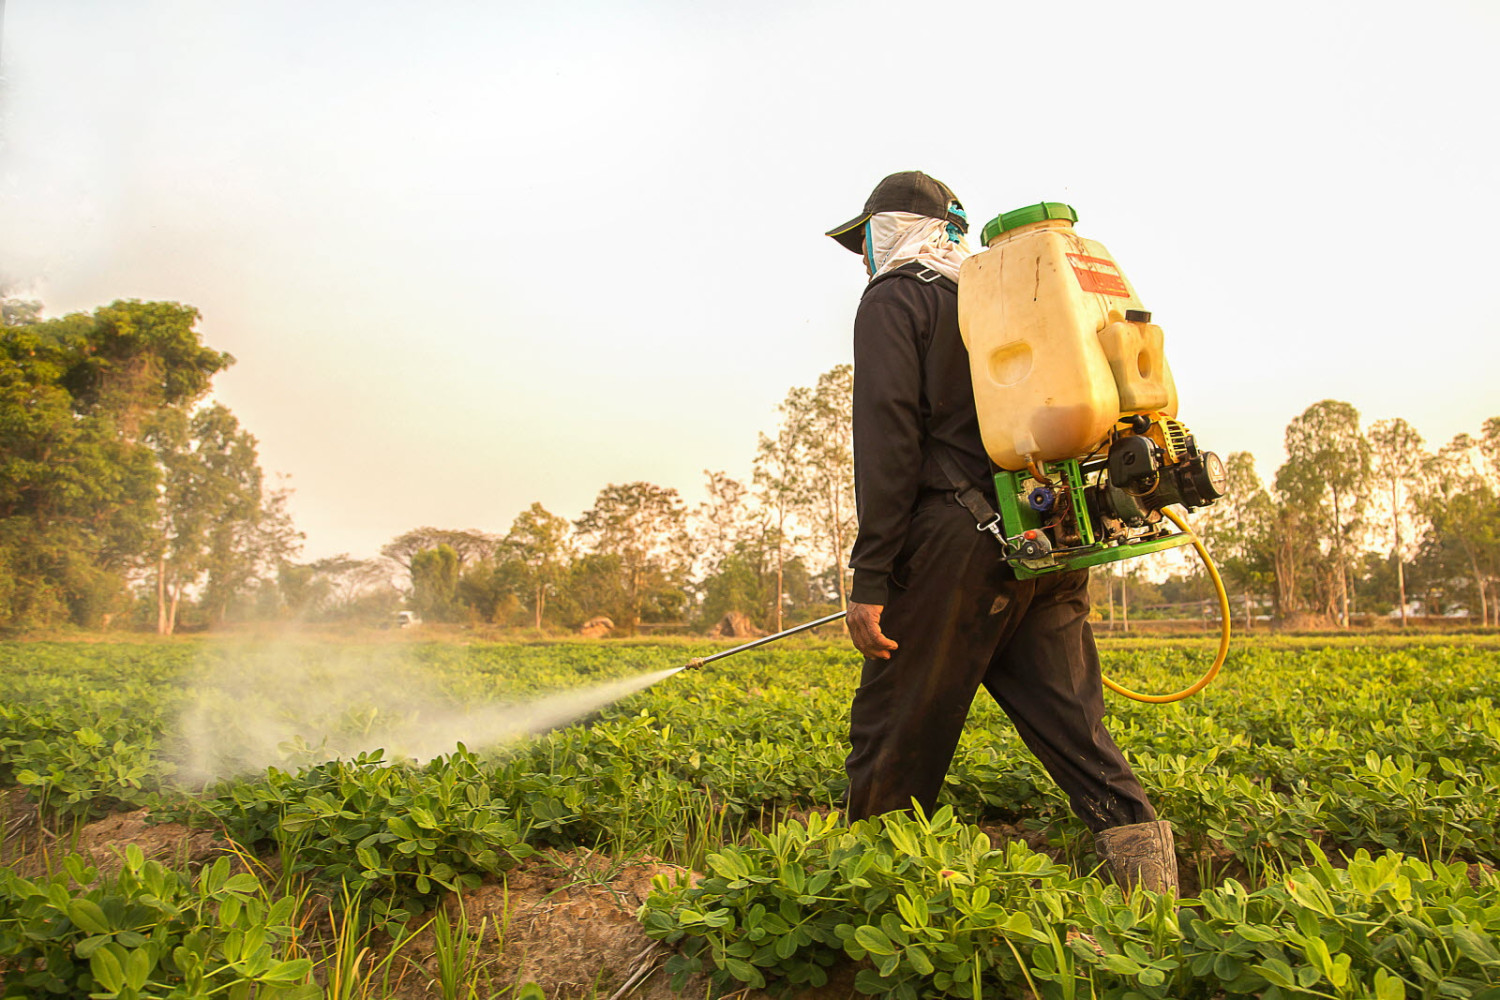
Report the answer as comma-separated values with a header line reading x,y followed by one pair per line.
x,y
127,499
122,493
1364,520
772,548
1358,522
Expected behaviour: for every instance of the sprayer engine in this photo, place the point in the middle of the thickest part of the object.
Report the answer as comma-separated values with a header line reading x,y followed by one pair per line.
x,y
1108,505
1155,464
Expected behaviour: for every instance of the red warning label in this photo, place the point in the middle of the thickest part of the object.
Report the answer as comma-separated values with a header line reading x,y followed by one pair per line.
x,y
1095,274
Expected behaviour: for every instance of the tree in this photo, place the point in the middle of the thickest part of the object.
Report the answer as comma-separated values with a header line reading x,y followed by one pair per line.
x,y
805,478
645,528
723,522
244,553
1462,508
107,469
74,500
1397,458
139,357
824,454
781,488
1326,478
1489,445
468,546
1239,530
492,590
19,312
77,487
540,541
597,584
434,583
217,522
734,585
337,588
736,568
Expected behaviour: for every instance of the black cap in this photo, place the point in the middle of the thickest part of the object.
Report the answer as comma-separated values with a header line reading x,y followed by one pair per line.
x,y
908,191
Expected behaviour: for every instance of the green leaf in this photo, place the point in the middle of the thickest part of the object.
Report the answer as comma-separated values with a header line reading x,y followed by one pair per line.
x,y
243,882
87,915
873,940
1474,947
728,865
744,972
1338,972
1389,987
913,910
901,837
89,945
217,874
1277,973
287,972
1121,965
138,968
107,969
1020,925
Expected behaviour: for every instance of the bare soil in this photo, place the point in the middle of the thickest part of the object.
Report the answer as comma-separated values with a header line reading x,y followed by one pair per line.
x,y
566,920
21,830
31,850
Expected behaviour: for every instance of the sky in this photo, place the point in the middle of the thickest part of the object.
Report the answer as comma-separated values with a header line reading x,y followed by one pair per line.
x,y
474,255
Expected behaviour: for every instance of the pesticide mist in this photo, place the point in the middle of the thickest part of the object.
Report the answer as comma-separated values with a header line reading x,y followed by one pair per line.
x,y
290,705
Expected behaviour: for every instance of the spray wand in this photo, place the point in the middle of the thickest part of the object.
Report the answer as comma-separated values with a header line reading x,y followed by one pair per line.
x,y
701,660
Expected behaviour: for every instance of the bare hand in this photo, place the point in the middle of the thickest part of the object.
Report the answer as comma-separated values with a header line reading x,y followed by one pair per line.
x,y
864,631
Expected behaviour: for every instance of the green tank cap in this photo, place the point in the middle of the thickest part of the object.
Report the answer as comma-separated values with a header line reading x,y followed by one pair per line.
x,y
1025,216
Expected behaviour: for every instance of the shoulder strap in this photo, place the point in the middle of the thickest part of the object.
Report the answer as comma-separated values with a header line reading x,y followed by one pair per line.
x,y
920,272
973,499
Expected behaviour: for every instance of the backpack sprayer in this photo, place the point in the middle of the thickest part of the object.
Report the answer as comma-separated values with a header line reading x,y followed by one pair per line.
x,y
1077,409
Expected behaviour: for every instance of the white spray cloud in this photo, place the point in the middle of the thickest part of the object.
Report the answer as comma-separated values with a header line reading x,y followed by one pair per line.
x,y
288,705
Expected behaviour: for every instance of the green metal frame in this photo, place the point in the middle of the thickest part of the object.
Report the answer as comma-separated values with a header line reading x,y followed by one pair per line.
x,y
1018,517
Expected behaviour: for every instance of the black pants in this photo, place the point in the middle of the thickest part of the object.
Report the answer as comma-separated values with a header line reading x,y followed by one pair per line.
x,y
959,624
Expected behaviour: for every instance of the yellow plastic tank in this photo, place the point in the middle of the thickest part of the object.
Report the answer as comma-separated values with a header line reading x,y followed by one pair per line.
x,y
1059,345
1139,364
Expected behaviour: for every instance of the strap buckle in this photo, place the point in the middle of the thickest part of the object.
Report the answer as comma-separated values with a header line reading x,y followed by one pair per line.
x,y
992,525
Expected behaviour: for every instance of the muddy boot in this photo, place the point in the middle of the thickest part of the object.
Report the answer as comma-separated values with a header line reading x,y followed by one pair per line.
x,y
1140,854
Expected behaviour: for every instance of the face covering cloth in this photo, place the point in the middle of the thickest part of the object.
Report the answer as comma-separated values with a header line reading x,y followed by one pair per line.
x,y
896,238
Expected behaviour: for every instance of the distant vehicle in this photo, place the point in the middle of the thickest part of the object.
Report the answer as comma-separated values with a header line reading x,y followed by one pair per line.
x,y
405,619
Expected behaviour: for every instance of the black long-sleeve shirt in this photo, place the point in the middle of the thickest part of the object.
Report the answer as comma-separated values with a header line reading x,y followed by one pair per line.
x,y
912,393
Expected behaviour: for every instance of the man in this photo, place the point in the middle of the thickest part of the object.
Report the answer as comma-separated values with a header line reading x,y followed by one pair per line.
x,y
935,609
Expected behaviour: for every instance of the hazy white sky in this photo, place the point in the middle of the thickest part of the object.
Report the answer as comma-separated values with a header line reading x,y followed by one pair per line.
x,y
473,255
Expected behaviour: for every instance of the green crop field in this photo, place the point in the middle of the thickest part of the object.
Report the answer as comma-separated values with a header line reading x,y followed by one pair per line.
x,y
1336,801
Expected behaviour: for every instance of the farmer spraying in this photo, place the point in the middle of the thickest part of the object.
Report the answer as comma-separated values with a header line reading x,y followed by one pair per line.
x,y
935,610
1023,392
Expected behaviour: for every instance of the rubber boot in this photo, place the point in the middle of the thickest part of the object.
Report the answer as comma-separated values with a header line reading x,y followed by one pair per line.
x,y
1140,854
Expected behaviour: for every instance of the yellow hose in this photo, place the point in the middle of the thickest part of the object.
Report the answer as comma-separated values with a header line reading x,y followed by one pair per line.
x,y
1213,671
